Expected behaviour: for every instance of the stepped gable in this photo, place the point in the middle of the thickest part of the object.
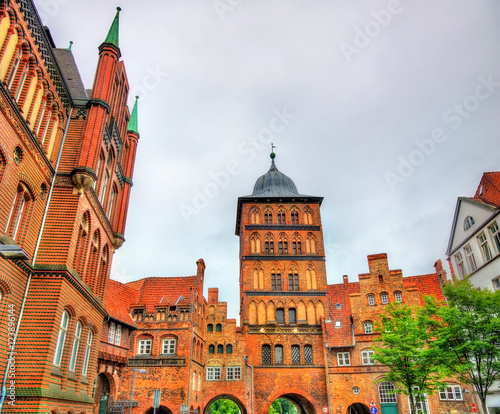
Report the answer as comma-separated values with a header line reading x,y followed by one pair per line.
x,y
488,190
118,299
426,285
339,294
154,291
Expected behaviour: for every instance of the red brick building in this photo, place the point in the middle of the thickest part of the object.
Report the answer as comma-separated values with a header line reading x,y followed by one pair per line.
x,y
299,338
66,166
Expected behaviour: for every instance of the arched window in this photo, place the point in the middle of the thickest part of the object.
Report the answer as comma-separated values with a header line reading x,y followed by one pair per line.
x,y
266,354
384,298
19,212
254,215
220,349
468,222
278,354
76,345
386,392
63,330
397,296
308,354
218,328
294,216
371,299
210,328
281,216
229,349
268,217
368,327
211,349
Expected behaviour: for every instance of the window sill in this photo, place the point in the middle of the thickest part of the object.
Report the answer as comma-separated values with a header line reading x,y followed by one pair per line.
x,y
56,371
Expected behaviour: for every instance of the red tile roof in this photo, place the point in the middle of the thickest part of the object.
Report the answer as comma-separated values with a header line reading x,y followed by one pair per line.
x,y
117,300
489,186
340,337
154,291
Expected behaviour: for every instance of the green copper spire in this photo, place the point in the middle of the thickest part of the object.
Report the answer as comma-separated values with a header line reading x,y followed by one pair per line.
x,y
132,123
69,47
112,36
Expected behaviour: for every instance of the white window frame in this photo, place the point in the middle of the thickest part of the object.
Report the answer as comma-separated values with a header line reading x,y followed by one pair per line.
x,y
398,296
495,235
459,260
233,373
371,299
367,357
385,393
76,345
111,332
425,401
87,353
168,346
470,258
118,335
452,392
213,373
144,347
343,359
483,245
384,298
61,338
368,327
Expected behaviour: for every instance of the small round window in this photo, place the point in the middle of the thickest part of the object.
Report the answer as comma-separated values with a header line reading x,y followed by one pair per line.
x,y
468,222
355,390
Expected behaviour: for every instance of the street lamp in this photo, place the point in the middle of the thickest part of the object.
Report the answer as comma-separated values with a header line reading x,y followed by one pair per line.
x,y
140,371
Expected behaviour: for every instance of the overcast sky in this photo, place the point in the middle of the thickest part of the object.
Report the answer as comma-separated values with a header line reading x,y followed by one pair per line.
x,y
389,110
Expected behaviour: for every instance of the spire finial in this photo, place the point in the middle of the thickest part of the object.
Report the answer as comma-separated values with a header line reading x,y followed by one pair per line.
x,y
112,36
70,44
132,123
273,155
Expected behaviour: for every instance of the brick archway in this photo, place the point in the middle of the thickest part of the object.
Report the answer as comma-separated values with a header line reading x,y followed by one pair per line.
x,y
303,405
358,408
240,405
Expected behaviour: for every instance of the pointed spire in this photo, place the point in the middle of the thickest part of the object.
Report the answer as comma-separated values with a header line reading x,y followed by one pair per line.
x,y
132,123
112,36
273,156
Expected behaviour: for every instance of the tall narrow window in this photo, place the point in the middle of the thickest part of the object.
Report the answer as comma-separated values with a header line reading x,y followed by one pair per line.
x,y
295,354
308,354
266,354
294,217
485,249
470,258
220,349
368,327
397,296
297,247
278,354
280,316
459,260
18,211
87,354
211,349
276,281
283,247
12,75
495,234
371,300
281,217
384,298
218,328
118,335
111,333
293,281
76,345
268,217
63,329
292,316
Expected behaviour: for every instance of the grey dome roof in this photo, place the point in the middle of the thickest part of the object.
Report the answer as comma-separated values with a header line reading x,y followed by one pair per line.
x,y
274,184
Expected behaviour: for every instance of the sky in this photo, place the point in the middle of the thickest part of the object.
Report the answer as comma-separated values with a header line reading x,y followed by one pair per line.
x,y
387,109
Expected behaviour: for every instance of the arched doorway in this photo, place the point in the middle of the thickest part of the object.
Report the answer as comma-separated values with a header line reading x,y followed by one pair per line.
x,y
358,408
232,399
292,404
160,410
102,393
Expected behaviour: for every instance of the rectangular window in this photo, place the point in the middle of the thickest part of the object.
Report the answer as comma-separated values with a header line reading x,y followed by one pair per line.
x,y
343,359
168,346
276,281
293,281
87,354
111,332
470,258
384,297
459,260
292,316
485,249
451,393
398,297
118,335
213,373
495,235
308,354
76,345
233,373
144,347
421,402
496,283
367,357
371,300
266,354
295,354
278,354
63,329
280,316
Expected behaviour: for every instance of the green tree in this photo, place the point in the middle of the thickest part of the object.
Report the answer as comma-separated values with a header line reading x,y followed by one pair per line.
x,y
224,406
468,337
403,348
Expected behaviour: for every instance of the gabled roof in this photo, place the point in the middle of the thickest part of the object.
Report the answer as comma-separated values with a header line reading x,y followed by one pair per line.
x,y
117,300
155,291
341,337
427,285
